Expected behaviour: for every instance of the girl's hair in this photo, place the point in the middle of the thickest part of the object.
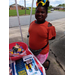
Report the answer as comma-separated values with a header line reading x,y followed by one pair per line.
x,y
45,6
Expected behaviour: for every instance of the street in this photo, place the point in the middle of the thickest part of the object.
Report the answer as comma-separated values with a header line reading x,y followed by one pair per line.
x,y
24,20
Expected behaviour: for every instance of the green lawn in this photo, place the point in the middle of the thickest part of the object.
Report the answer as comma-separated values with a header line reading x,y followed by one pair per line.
x,y
21,12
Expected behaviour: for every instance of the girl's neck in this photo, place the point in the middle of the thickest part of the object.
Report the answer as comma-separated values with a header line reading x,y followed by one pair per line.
x,y
39,22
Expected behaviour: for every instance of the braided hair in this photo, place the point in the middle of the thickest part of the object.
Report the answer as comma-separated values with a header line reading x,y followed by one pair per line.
x,y
45,6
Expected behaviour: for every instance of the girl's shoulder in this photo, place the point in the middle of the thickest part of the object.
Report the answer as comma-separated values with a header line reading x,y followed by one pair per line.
x,y
49,24
32,22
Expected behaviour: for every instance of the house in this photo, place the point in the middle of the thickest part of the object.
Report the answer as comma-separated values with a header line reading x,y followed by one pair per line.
x,y
13,7
59,8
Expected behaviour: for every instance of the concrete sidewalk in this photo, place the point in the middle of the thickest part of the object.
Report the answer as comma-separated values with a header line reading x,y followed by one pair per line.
x,y
57,46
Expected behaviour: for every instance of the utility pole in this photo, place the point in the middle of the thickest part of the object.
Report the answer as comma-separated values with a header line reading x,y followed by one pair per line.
x,y
25,6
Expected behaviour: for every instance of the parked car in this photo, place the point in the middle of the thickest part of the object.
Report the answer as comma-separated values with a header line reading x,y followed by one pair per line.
x,y
27,8
52,9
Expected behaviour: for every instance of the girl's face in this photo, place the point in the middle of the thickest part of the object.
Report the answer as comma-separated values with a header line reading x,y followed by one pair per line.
x,y
40,14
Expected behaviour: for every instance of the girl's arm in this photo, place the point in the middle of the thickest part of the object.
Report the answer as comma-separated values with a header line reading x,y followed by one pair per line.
x,y
53,31
52,38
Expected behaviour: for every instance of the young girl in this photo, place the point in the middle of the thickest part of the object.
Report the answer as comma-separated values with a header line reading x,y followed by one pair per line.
x,y
40,32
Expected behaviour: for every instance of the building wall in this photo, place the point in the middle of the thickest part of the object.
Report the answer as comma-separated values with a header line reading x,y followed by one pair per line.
x,y
59,8
14,8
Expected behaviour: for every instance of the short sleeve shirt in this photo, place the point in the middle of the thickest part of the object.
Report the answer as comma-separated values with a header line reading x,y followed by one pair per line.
x,y
39,34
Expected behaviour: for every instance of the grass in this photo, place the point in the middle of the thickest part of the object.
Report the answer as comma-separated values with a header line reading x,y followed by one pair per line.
x,y
21,12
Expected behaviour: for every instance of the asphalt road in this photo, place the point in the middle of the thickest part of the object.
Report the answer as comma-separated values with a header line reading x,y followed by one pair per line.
x,y
24,20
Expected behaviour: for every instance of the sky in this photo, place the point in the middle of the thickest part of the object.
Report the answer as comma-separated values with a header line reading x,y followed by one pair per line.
x,y
29,2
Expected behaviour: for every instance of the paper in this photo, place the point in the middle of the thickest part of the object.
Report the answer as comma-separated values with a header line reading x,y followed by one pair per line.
x,y
31,66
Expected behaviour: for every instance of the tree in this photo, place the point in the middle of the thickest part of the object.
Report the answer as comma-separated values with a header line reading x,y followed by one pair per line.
x,y
62,5
50,7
